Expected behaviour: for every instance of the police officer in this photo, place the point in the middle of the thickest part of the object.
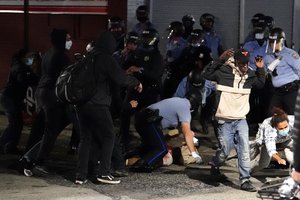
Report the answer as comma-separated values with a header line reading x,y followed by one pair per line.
x,y
212,39
256,19
188,22
175,46
117,26
148,68
283,64
142,15
149,122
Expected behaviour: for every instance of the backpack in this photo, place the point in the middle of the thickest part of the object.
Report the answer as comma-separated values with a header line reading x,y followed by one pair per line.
x,y
77,83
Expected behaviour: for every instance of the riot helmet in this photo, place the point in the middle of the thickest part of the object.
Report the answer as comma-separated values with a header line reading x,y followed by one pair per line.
x,y
149,38
142,13
207,21
257,18
269,22
194,97
276,39
116,24
195,78
132,37
188,21
196,38
176,29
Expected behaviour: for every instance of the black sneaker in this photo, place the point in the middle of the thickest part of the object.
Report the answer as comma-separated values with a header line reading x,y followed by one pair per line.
x,y
120,173
109,179
215,171
247,186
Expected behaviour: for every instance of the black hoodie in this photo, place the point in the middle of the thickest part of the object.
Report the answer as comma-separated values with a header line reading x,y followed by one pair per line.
x,y
108,70
54,60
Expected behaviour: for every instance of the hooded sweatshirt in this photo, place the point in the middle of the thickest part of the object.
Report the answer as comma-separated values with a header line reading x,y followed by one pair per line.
x,y
233,88
108,71
54,60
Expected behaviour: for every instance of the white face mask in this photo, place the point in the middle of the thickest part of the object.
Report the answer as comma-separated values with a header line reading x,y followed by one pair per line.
x,y
68,44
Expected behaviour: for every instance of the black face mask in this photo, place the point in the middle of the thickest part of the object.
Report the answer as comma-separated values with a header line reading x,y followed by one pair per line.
x,y
142,19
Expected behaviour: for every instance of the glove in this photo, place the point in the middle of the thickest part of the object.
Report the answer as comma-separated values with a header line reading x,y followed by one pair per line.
x,y
197,157
195,141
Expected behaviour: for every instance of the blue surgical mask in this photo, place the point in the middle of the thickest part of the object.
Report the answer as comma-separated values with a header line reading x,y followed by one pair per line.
x,y
28,61
284,132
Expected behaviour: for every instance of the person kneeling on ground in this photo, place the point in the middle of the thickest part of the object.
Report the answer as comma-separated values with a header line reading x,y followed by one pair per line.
x,y
150,121
274,133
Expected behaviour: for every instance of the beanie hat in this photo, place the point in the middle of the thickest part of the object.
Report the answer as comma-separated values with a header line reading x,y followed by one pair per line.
x,y
242,56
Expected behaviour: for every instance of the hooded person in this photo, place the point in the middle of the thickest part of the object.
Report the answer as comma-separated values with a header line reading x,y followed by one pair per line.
x,y
95,117
57,115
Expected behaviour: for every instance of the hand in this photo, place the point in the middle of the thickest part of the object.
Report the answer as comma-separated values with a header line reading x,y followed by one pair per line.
x,y
259,62
132,70
139,88
226,54
197,157
296,176
281,161
133,103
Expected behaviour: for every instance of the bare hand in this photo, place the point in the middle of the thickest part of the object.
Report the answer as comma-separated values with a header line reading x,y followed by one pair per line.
x,y
259,62
281,162
227,54
139,88
133,103
296,176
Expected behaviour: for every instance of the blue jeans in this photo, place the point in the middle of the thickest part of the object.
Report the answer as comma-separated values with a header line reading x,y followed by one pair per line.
x,y
234,134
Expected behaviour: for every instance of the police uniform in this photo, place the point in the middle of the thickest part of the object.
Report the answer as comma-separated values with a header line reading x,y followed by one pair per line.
x,y
255,49
285,79
149,123
213,41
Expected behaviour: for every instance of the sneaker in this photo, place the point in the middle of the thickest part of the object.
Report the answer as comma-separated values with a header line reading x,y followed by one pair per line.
x,y
109,179
247,186
215,171
120,173
27,172
80,181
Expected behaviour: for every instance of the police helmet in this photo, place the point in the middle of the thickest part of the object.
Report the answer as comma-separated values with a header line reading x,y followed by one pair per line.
x,y
115,23
149,37
194,97
269,21
132,37
176,29
142,13
195,78
257,18
188,20
276,34
196,38
207,17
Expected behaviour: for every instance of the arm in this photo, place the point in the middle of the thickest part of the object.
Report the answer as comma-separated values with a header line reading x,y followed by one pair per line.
x,y
260,72
188,136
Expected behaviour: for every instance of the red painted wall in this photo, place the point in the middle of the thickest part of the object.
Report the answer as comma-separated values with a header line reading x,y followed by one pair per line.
x,y
83,28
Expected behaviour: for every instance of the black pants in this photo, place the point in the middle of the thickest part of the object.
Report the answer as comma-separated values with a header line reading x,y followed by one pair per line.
x,y
285,99
97,129
13,112
57,117
154,145
146,98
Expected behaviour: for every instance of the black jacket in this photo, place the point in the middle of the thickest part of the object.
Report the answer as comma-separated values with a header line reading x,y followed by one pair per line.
x,y
108,70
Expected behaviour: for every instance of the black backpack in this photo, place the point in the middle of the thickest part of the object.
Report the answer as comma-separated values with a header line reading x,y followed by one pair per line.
x,y
77,83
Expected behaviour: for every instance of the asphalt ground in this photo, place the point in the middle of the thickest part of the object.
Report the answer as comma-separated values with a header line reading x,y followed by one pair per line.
x,y
166,183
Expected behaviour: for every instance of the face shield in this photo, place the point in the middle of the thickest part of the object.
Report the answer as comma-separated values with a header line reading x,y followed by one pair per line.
x,y
274,44
196,39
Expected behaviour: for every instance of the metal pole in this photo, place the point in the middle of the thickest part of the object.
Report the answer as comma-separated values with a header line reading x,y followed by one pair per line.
x,y
26,16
